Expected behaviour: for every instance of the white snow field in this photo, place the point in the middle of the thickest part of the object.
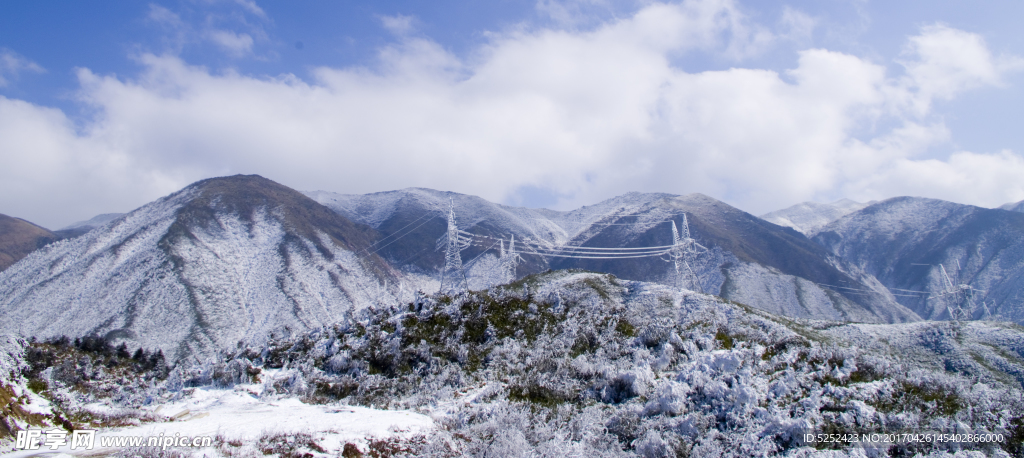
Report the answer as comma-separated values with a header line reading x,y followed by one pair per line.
x,y
240,416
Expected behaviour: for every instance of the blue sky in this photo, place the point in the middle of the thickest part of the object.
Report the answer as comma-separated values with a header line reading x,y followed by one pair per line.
x,y
104,107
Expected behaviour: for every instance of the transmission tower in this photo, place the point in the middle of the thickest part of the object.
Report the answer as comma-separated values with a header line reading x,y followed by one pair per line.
x,y
959,297
509,260
685,256
453,279
676,258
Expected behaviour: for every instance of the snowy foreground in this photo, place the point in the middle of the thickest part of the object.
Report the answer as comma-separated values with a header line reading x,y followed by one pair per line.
x,y
241,423
559,364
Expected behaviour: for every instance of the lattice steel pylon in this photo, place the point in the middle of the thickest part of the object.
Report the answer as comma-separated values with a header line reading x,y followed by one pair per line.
x,y
453,278
959,298
685,255
509,260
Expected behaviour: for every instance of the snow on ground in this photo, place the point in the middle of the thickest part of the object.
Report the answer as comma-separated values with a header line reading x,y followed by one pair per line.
x,y
239,415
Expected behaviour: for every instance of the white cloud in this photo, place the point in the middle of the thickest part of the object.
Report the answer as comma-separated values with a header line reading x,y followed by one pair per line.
x,y
52,174
796,25
399,25
985,179
236,44
942,62
212,27
252,7
583,114
13,64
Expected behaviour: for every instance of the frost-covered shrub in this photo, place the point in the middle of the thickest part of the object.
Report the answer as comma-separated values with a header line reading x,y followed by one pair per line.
x,y
657,372
63,380
581,364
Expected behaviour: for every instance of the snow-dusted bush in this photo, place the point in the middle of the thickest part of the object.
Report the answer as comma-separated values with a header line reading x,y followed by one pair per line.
x,y
582,364
572,362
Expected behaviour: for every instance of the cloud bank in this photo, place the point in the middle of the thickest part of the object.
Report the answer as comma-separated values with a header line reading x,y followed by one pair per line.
x,y
581,114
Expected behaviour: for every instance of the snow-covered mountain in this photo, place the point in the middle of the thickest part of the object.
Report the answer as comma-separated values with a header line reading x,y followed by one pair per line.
x,y
754,262
1014,207
410,221
808,217
223,261
903,242
18,238
751,261
238,258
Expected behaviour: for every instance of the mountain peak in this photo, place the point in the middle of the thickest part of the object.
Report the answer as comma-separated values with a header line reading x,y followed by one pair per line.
x,y
808,217
246,195
224,260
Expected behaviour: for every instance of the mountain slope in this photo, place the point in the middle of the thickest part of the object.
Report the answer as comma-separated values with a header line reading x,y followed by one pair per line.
x,y
902,241
753,261
1014,207
18,238
807,217
223,261
563,363
411,220
761,264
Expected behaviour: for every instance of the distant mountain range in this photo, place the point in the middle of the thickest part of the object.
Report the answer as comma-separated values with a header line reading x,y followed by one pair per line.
x,y
755,262
18,237
807,217
242,258
903,242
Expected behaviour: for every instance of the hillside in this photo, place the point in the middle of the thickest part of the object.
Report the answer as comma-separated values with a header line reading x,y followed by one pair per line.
x,y
750,261
903,242
1014,207
572,363
223,261
18,238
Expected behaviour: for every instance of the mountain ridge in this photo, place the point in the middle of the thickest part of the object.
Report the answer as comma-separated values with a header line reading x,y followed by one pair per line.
x,y
223,260
902,241
779,256
807,217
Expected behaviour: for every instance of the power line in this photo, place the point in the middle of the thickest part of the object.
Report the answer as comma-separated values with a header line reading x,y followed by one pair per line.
x,y
400,230
596,257
400,238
